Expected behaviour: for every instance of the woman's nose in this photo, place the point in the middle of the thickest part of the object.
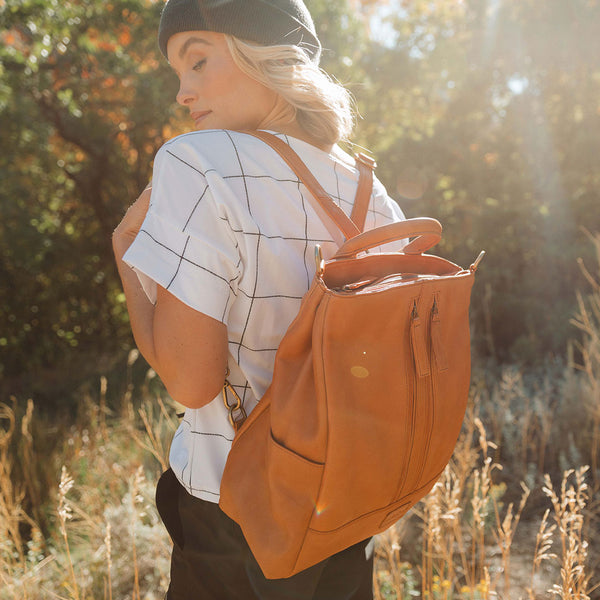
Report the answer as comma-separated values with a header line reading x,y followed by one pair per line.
x,y
185,95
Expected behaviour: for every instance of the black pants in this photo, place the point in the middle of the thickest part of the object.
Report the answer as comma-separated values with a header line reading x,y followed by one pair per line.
x,y
212,561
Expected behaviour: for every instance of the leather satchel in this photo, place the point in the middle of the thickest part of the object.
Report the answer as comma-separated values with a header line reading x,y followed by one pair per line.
x,y
368,395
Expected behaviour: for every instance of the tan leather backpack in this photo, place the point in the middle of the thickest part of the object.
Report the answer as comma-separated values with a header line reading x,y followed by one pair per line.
x,y
367,399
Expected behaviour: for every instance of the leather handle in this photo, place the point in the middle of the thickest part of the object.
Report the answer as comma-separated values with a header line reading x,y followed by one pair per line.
x,y
328,206
427,233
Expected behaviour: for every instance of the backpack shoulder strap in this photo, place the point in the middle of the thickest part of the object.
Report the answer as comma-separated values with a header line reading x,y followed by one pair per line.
x,y
329,212
366,166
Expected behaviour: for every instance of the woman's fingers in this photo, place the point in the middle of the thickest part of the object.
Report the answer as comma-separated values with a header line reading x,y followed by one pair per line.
x,y
134,217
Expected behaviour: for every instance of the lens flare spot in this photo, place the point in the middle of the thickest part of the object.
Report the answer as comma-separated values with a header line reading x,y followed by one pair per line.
x,y
360,372
320,509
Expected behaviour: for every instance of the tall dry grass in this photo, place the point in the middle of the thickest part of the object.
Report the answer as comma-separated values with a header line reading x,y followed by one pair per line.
x,y
587,320
466,536
105,539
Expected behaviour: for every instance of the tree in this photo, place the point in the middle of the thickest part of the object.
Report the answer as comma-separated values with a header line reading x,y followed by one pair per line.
x,y
86,100
84,105
482,114
485,115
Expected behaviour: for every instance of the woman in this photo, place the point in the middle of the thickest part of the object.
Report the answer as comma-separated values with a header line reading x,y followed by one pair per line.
x,y
216,257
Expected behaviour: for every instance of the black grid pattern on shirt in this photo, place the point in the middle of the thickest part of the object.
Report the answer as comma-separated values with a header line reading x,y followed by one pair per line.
x,y
253,296
305,240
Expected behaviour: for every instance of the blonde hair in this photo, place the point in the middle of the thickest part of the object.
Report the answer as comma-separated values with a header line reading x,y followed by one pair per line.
x,y
323,108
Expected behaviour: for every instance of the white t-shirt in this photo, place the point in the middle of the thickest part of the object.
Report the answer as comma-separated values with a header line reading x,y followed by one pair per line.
x,y
231,233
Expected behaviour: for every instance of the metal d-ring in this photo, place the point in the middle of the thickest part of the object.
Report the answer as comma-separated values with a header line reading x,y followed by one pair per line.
x,y
320,263
236,413
474,266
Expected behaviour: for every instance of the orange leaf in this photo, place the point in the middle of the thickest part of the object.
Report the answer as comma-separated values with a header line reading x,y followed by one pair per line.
x,y
125,37
106,46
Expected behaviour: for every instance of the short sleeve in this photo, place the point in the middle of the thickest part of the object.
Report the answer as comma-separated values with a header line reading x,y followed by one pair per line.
x,y
389,208
185,243
386,211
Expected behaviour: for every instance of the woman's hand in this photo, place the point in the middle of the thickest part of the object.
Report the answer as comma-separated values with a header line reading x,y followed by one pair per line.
x,y
129,226
187,348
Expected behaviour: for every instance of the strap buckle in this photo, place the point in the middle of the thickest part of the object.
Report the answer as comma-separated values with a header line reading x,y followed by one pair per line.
x,y
236,412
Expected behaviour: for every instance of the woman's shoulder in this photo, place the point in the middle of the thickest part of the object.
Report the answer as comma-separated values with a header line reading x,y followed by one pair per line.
x,y
206,142
223,153
210,141
220,150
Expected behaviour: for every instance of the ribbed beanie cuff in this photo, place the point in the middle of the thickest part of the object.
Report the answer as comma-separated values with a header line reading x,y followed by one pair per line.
x,y
267,22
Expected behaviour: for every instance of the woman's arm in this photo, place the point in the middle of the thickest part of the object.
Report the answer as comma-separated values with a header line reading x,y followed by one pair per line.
x,y
187,348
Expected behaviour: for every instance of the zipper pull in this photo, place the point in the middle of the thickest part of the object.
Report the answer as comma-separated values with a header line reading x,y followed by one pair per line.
x,y
436,337
417,341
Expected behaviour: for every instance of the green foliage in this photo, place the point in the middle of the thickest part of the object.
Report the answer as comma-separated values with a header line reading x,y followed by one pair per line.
x,y
84,105
484,115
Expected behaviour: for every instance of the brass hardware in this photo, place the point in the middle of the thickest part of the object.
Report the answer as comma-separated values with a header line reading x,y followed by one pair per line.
x,y
474,266
237,414
319,261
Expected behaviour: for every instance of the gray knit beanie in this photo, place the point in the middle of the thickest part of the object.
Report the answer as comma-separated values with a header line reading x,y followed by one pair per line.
x,y
267,22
